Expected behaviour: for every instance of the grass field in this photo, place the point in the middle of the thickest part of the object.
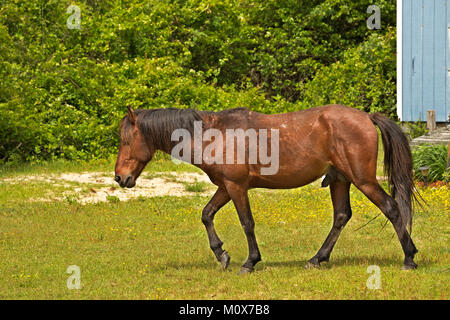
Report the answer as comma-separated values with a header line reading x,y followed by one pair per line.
x,y
157,248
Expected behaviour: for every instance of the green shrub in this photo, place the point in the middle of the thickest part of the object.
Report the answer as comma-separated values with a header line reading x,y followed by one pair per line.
x,y
63,91
433,156
416,129
363,79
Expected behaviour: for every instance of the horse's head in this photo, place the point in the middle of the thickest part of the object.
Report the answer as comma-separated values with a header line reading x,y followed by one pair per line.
x,y
134,151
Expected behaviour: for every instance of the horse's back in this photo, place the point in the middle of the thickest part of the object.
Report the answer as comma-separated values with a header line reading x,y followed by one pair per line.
x,y
314,140
309,141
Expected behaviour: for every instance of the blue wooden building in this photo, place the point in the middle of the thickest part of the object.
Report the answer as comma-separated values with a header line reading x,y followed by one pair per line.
x,y
423,62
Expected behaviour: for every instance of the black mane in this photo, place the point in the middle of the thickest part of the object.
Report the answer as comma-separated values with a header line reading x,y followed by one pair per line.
x,y
157,125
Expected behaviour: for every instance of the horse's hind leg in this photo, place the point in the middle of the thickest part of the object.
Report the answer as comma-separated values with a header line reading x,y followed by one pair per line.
x,y
340,197
219,199
389,207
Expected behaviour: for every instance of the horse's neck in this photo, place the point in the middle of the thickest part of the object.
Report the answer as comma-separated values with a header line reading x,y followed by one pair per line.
x,y
191,147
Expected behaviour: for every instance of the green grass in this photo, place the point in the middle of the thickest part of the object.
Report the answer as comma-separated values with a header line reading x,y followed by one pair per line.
x,y
157,248
196,186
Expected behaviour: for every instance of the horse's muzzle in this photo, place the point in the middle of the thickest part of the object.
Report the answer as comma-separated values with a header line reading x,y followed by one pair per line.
x,y
125,181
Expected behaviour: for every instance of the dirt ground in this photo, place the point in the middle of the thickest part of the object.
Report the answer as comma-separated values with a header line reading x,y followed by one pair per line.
x,y
92,187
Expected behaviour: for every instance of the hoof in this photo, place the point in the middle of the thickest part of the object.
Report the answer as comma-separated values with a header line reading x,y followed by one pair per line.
x,y
245,270
311,265
224,260
314,263
409,266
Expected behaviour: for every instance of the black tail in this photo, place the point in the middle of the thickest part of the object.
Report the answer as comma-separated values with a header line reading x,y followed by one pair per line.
x,y
398,166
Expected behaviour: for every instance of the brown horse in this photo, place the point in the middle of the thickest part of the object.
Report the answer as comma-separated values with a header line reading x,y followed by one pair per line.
x,y
333,140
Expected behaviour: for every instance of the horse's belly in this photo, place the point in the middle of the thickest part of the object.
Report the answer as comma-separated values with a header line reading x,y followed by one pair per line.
x,y
293,179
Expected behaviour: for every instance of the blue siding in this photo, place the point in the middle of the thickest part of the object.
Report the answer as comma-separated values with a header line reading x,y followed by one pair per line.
x,y
407,60
426,59
416,63
441,45
448,58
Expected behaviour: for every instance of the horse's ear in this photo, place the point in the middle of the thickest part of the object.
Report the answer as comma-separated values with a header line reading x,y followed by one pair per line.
x,y
131,115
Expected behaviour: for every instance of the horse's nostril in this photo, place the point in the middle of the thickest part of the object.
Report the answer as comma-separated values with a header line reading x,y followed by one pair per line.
x,y
127,179
117,178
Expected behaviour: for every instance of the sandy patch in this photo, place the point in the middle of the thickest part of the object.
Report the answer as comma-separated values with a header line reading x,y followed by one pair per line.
x,y
101,187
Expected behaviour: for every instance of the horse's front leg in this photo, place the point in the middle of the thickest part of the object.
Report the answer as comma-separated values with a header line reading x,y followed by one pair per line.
x,y
239,196
219,199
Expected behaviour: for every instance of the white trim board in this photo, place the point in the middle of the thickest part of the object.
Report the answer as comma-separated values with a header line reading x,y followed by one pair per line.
x,y
399,58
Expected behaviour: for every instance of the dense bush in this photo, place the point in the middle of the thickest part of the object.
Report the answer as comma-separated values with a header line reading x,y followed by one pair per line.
x,y
63,91
434,157
365,78
415,129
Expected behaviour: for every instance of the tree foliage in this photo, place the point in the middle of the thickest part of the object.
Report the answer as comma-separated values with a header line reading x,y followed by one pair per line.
x,y
63,91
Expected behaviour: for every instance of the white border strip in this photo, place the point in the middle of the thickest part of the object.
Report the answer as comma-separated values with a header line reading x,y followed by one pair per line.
x,y
400,59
